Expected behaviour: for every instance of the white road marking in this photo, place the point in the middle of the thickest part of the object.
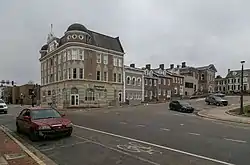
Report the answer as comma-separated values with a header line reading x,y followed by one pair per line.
x,y
181,124
117,150
123,123
176,114
155,145
140,125
234,140
165,129
196,134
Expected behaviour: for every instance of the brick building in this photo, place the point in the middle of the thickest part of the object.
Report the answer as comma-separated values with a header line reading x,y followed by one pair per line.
x,y
83,68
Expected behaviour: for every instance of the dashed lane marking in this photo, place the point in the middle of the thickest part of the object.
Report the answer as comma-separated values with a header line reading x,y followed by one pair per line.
x,y
165,129
234,140
154,145
196,134
123,123
181,124
140,125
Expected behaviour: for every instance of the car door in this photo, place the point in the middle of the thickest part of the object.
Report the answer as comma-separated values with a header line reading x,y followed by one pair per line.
x,y
19,119
175,105
26,122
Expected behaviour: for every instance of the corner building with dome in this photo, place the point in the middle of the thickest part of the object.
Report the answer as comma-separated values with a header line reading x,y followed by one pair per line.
x,y
81,69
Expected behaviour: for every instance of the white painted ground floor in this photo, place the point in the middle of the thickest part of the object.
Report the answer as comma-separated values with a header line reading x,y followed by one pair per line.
x,y
84,94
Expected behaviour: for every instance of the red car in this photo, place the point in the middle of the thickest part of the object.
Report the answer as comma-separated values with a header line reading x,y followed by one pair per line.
x,y
43,122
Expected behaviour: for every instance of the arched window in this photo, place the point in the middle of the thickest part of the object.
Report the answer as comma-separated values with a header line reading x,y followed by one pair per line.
x,y
128,80
139,81
133,81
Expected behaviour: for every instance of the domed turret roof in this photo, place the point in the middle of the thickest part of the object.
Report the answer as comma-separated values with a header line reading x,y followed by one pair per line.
x,y
44,47
77,27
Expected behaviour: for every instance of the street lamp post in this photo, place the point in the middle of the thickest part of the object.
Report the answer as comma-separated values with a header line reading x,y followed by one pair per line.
x,y
241,92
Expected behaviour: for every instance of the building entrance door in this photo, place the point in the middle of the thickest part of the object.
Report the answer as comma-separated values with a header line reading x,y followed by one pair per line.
x,y
74,99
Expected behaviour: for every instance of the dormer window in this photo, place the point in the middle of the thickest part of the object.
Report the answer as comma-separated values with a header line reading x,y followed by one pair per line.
x,y
69,37
81,37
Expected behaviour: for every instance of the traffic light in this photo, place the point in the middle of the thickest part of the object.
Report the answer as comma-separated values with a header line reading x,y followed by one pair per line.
x,y
12,83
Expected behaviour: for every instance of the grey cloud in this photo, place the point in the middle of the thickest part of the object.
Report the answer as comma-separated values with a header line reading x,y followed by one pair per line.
x,y
162,31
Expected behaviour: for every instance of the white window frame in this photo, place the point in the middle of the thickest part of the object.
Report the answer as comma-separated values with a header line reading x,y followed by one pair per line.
x,y
82,73
129,80
105,59
159,80
119,80
70,76
106,76
138,81
119,62
100,75
155,82
114,61
77,99
164,81
73,73
134,81
74,54
159,92
98,58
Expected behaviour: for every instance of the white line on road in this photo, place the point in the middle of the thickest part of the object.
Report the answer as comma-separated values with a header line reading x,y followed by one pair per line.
x,y
196,134
234,140
117,150
154,145
140,125
176,114
181,124
123,123
165,129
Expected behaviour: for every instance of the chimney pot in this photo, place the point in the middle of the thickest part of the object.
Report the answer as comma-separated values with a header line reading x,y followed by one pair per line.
x,y
132,65
171,66
183,64
228,70
178,66
161,66
148,66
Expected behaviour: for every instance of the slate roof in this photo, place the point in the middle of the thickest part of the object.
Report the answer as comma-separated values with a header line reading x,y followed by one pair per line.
x,y
236,73
210,66
98,39
107,42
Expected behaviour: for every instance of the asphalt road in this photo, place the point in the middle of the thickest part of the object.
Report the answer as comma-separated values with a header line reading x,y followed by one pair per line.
x,y
149,134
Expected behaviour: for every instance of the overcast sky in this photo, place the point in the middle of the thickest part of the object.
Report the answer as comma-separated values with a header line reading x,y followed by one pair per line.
x,y
199,32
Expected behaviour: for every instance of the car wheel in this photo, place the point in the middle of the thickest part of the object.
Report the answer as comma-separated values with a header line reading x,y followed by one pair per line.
x,y
218,104
208,103
33,136
69,134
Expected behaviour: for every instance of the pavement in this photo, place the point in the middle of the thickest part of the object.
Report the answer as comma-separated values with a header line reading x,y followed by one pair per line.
x,y
144,135
12,152
222,113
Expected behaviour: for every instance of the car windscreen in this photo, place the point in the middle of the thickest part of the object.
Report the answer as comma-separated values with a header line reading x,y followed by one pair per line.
x,y
1,101
218,98
44,114
184,103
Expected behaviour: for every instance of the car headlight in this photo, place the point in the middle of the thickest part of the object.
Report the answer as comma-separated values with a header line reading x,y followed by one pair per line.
x,y
5,106
69,125
44,127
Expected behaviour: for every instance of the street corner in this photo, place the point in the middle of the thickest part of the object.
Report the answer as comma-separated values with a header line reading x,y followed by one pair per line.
x,y
13,151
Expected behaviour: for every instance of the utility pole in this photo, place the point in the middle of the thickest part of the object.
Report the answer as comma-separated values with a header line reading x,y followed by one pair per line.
x,y
241,93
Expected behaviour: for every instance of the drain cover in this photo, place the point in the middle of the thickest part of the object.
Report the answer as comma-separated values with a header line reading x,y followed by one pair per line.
x,y
14,156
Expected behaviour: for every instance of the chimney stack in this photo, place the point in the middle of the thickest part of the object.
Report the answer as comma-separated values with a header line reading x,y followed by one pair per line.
x,y
161,66
183,64
171,66
228,70
148,66
132,65
178,66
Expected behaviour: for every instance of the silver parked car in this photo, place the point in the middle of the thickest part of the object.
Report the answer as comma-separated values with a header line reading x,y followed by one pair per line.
x,y
3,107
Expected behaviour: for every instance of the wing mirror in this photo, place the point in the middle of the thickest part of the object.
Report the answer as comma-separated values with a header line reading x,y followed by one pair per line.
x,y
27,117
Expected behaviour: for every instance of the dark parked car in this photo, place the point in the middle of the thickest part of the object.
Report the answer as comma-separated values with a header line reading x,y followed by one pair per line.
x,y
181,106
215,100
41,122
